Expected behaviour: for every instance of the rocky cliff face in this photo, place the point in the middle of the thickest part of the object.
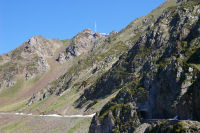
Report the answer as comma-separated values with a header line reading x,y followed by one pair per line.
x,y
158,75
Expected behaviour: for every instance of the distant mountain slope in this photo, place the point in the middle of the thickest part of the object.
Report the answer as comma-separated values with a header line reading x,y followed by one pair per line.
x,y
146,72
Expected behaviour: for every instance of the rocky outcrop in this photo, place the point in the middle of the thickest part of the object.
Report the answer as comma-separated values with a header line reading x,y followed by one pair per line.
x,y
118,115
39,45
30,59
61,57
82,43
159,73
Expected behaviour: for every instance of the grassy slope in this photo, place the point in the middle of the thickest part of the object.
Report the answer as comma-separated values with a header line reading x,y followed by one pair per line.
x,y
11,94
115,47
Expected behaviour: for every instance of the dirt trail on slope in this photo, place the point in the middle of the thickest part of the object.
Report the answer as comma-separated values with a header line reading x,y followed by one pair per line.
x,y
49,115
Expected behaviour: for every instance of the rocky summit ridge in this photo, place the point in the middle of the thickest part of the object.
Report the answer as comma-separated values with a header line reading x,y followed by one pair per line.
x,y
144,78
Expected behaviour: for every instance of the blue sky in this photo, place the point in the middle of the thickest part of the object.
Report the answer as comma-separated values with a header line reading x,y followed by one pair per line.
x,y
22,19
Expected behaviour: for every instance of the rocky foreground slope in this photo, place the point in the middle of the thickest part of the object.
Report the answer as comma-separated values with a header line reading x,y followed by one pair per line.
x,y
159,76
135,80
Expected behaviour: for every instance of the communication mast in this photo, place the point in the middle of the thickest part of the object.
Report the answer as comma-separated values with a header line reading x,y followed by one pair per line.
x,y
95,27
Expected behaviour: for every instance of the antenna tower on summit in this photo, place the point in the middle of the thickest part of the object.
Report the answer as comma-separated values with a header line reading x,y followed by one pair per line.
x,y
95,27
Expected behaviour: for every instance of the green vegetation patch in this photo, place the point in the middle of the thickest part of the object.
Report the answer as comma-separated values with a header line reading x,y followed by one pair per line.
x,y
169,127
13,127
37,105
1,58
10,92
83,124
16,106
67,98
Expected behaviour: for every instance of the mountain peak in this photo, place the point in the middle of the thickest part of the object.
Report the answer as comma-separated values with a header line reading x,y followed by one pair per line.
x,y
35,39
87,31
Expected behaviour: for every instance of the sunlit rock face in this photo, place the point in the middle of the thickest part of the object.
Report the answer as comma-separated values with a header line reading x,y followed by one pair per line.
x,y
83,42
